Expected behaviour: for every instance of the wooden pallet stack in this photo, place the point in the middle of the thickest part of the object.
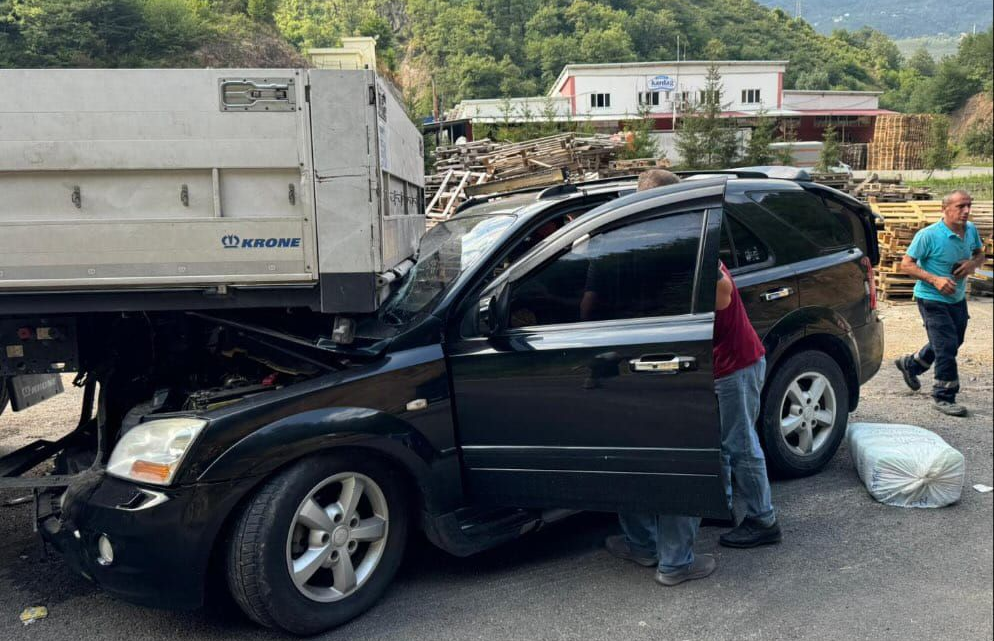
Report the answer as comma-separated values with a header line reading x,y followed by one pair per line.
x,y
633,166
899,142
854,155
464,157
462,170
982,282
886,190
901,221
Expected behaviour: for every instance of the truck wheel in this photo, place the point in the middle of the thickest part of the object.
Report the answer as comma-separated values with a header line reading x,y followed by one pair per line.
x,y
804,413
318,544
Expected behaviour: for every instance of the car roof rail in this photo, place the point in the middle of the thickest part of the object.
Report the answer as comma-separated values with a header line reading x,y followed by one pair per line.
x,y
544,192
738,173
780,171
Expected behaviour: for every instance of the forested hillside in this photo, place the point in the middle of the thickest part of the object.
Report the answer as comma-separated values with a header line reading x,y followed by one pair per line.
x,y
483,48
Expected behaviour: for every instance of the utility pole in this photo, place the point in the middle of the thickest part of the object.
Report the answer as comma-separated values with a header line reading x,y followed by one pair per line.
x,y
797,9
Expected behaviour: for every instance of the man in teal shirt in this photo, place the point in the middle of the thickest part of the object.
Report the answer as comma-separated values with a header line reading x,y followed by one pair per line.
x,y
941,256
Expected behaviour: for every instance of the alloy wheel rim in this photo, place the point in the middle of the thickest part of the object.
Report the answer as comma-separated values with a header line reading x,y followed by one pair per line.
x,y
807,414
337,537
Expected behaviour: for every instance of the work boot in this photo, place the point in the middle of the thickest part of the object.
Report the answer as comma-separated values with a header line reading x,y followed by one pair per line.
x,y
751,533
618,546
703,565
949,408
910,379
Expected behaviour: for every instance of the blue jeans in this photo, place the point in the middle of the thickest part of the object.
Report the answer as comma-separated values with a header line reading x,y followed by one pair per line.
x,y
671,538
945,324
742,458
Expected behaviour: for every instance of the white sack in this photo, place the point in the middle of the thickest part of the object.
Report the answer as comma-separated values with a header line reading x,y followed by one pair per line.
x,y
906,466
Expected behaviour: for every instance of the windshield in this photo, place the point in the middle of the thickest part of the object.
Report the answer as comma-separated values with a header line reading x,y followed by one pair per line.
x,y
446,251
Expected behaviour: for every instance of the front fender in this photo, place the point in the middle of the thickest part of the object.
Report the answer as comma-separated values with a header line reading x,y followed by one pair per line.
x,y
293,437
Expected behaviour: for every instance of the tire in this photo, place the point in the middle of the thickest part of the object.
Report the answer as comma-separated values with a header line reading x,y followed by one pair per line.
x,y
801,433
278,529
3,394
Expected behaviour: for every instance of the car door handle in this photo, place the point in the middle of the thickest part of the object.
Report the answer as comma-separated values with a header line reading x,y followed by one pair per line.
x,y
777,294
663,364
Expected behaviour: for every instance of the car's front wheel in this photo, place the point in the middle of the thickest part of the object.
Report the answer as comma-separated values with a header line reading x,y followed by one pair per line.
x,y
804,413
318,544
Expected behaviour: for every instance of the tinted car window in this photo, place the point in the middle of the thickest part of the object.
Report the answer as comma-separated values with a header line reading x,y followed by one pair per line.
x,y
749,250
807,214
640,270
852,219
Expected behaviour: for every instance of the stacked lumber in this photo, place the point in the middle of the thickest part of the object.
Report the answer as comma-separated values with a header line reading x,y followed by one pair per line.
x,y
901,221
465,157
854,155
576,154
982,282
461,170
899,142
835,180
887,190
632,166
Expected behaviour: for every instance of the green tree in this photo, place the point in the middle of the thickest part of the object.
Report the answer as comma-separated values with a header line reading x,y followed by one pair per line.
x,y
979,139
262,10
922,63
706,140
938,152
830,154
643,143
757,151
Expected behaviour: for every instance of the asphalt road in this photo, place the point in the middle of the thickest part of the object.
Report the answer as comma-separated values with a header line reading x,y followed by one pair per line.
x,y
849,568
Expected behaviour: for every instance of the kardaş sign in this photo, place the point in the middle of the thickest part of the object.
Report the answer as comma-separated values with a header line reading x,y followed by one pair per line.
x,y
661,83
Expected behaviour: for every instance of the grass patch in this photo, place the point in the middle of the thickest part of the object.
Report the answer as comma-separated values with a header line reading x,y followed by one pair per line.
x,y
980,187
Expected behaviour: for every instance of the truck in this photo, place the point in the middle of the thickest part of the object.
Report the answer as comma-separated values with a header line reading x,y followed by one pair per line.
x,y
139,197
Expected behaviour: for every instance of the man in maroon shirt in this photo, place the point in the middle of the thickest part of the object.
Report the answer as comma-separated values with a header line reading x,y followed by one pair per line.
x,y
667,541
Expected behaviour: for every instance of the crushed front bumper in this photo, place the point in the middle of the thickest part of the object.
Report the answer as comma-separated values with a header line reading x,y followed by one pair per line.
x,y
161,538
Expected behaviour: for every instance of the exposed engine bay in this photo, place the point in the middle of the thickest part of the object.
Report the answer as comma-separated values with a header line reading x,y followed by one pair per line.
x,y
134,366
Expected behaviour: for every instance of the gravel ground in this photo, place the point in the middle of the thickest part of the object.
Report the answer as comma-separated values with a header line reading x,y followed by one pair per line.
x,y
849,567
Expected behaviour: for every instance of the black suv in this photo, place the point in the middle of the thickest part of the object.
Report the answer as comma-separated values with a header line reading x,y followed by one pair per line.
x,y
548,352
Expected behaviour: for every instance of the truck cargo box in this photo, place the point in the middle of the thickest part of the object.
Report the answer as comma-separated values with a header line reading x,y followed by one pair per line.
x,y
204,188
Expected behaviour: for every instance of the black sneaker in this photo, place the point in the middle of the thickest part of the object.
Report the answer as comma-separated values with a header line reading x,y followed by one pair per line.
x,y
949,409
703,565
618,546
751,533
910,379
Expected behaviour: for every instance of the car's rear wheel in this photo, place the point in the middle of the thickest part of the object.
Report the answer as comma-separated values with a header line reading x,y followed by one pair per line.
x,y
318,544
804,413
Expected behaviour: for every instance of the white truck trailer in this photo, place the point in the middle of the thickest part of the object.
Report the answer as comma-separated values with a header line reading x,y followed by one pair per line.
x,y
204,188
143,212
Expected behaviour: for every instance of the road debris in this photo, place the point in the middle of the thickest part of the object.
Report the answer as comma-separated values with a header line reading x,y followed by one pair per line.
x,y
983,489
32,614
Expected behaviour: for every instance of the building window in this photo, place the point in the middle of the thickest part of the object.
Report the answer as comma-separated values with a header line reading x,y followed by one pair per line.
x,y
705,97
598,100
750,97
649,98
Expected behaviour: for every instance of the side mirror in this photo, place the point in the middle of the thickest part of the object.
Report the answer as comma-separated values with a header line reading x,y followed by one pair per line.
x,y
491,312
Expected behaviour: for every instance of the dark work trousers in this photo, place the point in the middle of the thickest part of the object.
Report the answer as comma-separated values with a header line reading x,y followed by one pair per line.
x,y
945,324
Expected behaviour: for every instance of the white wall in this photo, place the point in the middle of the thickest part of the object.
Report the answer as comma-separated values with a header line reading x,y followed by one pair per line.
x,y
666,144
815,100
625,82
514,109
